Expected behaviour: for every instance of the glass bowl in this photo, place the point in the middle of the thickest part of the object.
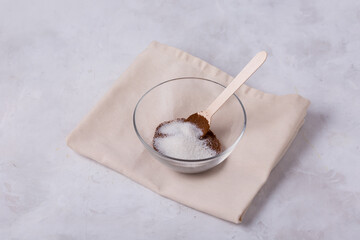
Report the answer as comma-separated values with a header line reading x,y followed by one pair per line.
x,y
179,98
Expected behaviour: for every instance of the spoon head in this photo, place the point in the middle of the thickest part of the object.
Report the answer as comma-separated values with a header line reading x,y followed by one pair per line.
x,y
200,121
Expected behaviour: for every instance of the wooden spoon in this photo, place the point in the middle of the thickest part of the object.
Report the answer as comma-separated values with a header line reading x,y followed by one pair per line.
x,y
203,118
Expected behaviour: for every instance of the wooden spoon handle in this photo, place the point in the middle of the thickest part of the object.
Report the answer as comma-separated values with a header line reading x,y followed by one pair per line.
x,y
244,75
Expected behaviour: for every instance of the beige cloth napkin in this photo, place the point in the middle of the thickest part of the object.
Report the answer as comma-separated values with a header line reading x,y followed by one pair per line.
x,y
107,136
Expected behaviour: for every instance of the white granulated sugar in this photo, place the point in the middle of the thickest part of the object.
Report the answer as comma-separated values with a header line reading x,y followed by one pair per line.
x,y
182,141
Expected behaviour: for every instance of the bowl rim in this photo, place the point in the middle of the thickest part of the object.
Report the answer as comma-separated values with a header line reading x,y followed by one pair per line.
x,y
152,150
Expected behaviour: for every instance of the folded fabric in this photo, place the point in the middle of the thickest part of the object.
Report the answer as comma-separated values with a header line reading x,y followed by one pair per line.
x,y
106,135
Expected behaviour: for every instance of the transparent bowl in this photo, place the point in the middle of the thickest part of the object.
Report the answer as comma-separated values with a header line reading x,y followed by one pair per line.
x,y
179,98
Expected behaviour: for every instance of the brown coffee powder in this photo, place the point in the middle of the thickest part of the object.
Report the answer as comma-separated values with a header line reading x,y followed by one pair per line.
x,y
209,138
200,121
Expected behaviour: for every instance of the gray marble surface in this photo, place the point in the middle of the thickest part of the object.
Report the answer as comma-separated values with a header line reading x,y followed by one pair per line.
x,y
57,58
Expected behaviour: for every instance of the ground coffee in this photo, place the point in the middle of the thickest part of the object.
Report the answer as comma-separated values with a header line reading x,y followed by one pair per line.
x,y
182,139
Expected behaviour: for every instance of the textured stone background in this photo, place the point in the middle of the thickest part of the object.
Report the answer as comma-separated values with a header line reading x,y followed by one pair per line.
x,y
57,58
